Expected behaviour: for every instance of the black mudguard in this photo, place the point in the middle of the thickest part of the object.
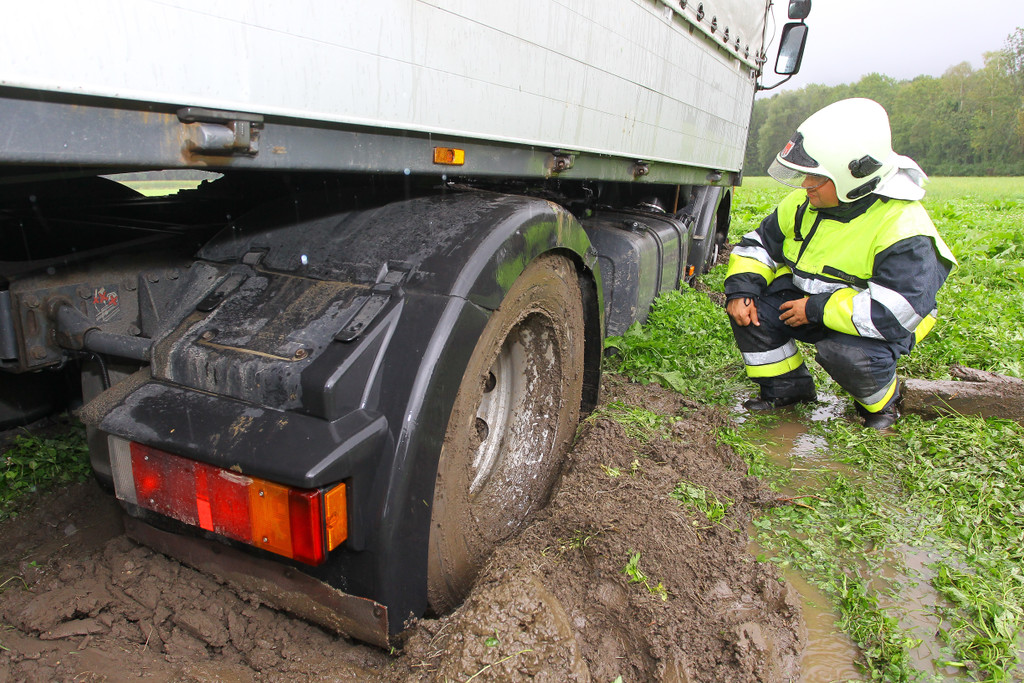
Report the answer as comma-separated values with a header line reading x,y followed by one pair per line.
x,y
709,211
367,398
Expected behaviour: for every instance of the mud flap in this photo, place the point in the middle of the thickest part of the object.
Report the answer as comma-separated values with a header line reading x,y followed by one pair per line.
x,y
279,586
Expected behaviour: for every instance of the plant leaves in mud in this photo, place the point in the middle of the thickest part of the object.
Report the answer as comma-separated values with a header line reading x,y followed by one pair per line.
x,y
835,537
34,463
639,424
702,500
635,575
963,479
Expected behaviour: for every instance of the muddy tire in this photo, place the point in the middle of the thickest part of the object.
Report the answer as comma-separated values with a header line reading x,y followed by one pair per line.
x,y
513,420
716,245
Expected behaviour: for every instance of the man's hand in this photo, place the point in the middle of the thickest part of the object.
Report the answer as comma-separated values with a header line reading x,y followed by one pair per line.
x,y
794,313
743,311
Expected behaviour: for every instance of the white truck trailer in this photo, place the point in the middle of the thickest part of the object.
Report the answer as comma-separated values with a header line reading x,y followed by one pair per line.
x,y
347,364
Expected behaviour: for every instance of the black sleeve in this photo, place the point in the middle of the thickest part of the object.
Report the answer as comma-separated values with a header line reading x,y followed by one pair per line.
x,y
907,276
763,245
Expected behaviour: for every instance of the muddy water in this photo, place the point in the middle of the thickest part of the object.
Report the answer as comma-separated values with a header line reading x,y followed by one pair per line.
x,y
902,584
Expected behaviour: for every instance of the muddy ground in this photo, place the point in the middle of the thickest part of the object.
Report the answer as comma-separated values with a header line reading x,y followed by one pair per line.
x,y
81,602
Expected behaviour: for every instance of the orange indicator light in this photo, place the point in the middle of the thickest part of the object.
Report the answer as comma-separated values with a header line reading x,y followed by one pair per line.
x,y
449,156
336,515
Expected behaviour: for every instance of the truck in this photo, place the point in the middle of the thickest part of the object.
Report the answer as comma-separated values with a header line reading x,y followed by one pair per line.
x,y
328,283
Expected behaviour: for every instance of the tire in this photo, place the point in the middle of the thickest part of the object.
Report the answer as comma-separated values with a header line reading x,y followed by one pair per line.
x,y
716,244
513,419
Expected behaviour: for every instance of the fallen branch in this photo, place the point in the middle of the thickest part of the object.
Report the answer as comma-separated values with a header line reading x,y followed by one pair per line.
x,y
793,501
966,374
790,500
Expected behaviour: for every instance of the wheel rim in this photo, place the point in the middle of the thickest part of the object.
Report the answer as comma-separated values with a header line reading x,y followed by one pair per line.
x,y
510,426
512,417
713,256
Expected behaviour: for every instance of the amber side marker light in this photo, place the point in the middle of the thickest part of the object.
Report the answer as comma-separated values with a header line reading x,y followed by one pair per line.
x,y
449,156
302,524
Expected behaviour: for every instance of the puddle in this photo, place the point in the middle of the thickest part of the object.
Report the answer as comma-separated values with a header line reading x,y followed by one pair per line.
x,y
830,655
902,582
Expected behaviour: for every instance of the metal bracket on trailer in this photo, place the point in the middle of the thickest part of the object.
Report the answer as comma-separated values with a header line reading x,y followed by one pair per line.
x,y
221,132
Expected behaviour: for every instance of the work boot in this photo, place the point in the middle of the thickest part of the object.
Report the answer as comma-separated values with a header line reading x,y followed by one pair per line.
x,y
761,404
882,420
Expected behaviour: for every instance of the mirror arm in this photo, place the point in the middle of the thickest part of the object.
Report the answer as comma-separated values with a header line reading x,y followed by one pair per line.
x,y
761,86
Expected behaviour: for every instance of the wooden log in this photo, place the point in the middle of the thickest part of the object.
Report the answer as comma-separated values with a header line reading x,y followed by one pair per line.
x,y
978,393
962,372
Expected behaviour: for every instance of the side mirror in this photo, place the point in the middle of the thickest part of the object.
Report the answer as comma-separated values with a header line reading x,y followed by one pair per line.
x,y
791,48
799,9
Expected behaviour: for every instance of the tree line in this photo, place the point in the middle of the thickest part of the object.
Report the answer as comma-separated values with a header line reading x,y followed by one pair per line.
x,y
966,122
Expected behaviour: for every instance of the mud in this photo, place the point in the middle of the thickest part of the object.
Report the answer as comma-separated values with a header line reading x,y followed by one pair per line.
x,y
79,601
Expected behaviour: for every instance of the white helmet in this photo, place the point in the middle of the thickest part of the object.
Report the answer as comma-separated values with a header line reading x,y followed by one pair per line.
x,y
850,143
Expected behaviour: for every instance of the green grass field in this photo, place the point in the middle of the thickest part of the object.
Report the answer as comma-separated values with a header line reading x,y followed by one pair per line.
x,y
950,489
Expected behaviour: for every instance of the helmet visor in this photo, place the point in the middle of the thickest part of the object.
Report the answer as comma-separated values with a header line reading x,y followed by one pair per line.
x,y
794,178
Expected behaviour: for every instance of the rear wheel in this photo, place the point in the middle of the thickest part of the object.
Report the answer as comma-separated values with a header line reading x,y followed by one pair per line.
x,y
715,248
513,420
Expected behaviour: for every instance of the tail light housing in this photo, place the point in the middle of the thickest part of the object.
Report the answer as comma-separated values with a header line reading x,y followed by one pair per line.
x,y
301,524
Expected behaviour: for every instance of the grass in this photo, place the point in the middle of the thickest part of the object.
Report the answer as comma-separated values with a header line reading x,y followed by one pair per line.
x,y
951,489
964,479
837,539
32,464
162,188
981,220
680,350
577,541
638,423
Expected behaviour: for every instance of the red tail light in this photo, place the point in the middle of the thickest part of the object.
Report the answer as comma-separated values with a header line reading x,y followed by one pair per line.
x,y
303,524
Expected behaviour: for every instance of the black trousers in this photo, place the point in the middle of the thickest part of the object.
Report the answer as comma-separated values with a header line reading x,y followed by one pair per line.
x,y
866,368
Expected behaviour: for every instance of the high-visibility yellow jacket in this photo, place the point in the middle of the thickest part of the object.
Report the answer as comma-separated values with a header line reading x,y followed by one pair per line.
x,y
871,268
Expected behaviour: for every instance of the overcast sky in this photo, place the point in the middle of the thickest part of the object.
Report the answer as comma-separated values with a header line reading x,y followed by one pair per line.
x,y
899,38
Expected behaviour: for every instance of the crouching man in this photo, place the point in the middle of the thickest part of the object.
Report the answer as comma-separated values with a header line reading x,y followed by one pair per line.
x,y
849,262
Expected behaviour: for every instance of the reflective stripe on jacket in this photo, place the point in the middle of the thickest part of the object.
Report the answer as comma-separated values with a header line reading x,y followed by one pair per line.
x,y
871,268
